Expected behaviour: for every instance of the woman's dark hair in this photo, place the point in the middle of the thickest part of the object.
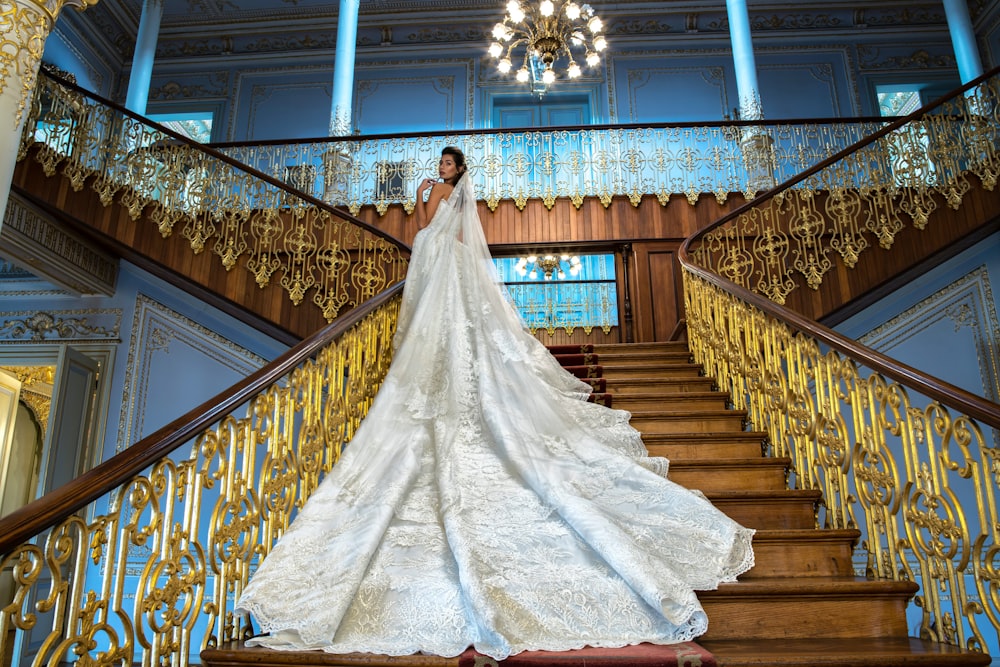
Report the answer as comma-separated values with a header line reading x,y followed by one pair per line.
x,y
459,157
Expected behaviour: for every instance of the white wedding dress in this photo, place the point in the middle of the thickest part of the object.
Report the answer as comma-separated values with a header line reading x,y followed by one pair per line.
x,y
483,502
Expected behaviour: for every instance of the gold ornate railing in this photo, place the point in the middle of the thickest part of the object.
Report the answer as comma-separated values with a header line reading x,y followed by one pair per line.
x,y
602,161
911,461
246,218
140,560
864,195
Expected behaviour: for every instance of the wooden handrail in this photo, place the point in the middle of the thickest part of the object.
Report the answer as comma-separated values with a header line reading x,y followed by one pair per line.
x,y
55,506
945,393
341,213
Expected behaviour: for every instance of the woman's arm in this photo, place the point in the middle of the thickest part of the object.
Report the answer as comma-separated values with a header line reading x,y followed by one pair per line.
x,y
425,212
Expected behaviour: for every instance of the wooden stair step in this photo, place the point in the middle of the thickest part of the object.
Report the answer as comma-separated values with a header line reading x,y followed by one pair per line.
x,y
691,400
652,371
805,552
235,654
693,446
655,346
855,652
804,607
635,358
728,474
661,385
688,421
769,510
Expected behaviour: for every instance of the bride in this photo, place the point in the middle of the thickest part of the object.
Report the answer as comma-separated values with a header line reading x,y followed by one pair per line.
x,y
483,502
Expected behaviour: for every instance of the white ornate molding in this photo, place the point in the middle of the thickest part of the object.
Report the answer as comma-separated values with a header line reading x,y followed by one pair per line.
x,y
35,242
968,306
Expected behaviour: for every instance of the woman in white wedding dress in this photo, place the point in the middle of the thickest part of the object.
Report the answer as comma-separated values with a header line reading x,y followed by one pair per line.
x,y
483,501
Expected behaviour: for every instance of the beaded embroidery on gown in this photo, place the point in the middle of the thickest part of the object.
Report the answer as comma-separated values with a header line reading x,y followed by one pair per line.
x,y
483,502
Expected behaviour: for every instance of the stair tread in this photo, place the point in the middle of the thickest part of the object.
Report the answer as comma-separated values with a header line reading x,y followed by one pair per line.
x,y
741,494
760,461
758,436
821,586
856,652
780,534
235,653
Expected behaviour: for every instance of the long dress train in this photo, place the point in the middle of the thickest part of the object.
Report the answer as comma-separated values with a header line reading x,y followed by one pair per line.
x,y
483,502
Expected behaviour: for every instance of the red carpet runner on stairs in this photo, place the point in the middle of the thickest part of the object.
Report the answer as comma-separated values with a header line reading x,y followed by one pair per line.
x,y
581,361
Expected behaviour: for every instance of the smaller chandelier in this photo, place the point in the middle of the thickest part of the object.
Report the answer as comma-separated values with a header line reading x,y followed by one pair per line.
x,y
549,265
547,31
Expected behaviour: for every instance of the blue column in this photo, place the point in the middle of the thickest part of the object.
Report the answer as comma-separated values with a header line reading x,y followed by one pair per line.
x,y
343,71
963,39
145,54
743,60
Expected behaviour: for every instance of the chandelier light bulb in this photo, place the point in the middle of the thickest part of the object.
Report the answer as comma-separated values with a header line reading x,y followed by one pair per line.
x,y
533,274
546,7
573,11
600,43
593,59
496,49
561,275
523,75
594,24
573,70
504,65
514,9
532,259
500,32
548,76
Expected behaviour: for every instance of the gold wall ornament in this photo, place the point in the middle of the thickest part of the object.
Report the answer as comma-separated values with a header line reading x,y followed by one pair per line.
x,y
152,575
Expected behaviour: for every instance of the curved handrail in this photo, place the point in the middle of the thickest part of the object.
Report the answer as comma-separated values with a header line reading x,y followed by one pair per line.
x,y
974,406
55,506
216,154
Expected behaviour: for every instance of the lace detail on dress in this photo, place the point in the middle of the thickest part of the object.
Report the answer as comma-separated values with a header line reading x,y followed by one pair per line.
x,y
484,502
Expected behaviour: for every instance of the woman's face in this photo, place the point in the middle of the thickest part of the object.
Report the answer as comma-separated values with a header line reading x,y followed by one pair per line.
x,y
447,169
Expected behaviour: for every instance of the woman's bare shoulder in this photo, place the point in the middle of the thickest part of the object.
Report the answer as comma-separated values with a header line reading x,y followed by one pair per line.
x,y
442,189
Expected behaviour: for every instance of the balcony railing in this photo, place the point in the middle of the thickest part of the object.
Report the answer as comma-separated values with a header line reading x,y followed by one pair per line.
x,y
909,460
604,161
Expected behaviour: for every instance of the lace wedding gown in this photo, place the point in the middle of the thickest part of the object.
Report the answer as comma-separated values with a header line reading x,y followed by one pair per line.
x,y
483,502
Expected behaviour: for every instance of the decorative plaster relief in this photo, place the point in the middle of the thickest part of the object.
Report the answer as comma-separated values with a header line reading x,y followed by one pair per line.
x,y
968,307
59,326
873,57
209,84
174,363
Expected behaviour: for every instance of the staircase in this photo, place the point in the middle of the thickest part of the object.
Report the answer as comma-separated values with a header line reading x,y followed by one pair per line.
x,y
800,606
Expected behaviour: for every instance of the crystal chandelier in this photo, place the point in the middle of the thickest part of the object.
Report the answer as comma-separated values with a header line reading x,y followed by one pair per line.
x,y
549,265
546,31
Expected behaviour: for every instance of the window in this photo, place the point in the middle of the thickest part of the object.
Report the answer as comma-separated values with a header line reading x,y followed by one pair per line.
x,y
561,291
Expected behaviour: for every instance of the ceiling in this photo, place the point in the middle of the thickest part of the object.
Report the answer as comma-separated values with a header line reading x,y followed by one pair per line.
x,y
191,28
